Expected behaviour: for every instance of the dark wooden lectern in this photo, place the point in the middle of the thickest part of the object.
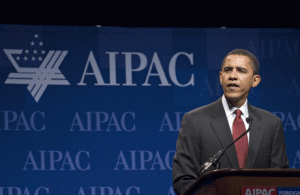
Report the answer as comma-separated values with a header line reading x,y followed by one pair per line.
x,y
230,181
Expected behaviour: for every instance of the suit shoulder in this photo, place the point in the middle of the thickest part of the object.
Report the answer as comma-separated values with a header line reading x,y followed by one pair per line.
x,y
264,114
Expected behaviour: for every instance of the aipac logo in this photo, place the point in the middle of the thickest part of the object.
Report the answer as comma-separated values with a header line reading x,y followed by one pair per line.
x,y
38,69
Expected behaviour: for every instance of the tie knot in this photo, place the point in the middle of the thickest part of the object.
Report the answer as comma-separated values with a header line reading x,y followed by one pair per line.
x,y
238,113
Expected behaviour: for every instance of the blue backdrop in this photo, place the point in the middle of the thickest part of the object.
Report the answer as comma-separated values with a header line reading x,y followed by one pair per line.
x,y
97,110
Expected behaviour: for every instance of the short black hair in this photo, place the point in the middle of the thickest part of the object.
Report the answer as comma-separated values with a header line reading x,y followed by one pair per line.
x,y
243,52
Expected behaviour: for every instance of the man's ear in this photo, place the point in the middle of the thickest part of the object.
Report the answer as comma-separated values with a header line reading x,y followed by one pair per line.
x,y
256,80
220,75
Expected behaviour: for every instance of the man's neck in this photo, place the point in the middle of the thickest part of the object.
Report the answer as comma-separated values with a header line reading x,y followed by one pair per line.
x,y
237,104
230,108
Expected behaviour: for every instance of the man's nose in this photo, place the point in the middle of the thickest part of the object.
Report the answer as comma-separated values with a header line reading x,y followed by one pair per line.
x,y
233,75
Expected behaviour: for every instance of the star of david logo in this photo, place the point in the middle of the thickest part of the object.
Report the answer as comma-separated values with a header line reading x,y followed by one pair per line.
x,y
37,78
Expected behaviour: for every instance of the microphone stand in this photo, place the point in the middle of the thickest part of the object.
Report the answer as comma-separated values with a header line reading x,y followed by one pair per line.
x,y
214,160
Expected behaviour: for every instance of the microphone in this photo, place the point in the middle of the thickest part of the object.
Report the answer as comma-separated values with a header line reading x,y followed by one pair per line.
x,y
215,159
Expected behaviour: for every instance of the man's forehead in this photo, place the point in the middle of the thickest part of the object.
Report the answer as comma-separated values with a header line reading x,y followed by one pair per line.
x,y
237,60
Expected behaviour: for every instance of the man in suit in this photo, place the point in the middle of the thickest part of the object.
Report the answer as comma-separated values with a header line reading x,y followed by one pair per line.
x,y
208,129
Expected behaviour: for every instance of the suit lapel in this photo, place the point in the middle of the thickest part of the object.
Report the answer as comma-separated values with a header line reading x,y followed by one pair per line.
x,y
256,135
222,130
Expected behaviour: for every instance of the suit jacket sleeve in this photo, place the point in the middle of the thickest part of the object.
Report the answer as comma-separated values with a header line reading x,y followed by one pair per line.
x,y
187,158
278,156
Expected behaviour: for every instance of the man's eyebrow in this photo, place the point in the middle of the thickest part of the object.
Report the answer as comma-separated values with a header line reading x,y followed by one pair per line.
x,y
240,67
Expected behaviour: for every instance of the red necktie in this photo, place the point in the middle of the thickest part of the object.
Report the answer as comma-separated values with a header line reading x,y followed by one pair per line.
x,y
241,145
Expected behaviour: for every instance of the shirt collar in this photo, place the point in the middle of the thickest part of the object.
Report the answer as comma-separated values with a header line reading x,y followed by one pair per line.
x,y
229,111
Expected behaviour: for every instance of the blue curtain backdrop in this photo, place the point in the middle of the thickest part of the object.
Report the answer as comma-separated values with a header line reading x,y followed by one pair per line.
x,y
97,110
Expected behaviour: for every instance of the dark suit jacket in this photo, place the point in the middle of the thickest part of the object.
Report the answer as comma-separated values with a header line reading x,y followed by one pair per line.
x,y
205,130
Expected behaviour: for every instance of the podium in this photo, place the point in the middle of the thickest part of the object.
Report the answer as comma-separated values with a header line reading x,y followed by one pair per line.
x,y
253,181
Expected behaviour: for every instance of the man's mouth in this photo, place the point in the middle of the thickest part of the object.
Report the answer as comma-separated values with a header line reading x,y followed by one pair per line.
x,y
233,86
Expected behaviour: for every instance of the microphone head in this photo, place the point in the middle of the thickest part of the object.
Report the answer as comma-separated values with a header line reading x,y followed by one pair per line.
x,y
250,118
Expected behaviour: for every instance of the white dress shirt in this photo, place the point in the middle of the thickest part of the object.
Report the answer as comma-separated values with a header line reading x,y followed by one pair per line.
x,y
230,114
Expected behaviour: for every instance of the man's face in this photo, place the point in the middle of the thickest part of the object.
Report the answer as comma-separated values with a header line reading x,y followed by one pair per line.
x,y
236,78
